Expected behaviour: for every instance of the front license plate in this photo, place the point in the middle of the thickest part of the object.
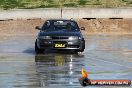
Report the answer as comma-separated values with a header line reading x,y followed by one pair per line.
x,y
60,46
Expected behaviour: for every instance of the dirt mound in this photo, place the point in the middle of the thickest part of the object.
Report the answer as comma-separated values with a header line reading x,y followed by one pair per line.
x,y
106,25
19,27
27,27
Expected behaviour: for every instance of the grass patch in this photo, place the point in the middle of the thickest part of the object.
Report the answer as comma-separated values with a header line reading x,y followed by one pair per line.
x,y
82,2
127,1
11,4
70,5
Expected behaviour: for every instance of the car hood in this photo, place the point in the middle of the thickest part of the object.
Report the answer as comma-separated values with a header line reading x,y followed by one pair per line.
x,y
59,33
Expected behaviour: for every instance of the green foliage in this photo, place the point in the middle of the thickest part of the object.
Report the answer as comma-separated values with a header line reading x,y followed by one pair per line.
x,y
70,5
127,1
98,2
10,4
82,2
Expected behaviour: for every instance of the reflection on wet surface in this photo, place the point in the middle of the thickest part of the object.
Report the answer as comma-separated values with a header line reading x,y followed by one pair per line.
x,y
105,57
58,69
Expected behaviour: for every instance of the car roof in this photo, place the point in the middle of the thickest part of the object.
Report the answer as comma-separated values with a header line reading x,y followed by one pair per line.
x,y
60,20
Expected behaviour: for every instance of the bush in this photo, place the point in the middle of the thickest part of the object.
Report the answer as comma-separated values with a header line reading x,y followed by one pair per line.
x,y
82,2
9,4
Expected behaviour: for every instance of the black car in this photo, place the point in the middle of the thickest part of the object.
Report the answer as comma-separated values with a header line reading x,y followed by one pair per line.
x,y
60,34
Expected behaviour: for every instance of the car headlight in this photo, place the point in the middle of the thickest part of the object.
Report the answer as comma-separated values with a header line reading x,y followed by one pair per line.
x,y
45,37
73,37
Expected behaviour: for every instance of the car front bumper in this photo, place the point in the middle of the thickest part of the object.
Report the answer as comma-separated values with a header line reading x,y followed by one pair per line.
x,y
50,44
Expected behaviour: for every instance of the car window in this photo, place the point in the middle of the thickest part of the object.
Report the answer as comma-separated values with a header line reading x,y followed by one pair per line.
x,y
60,25
46,25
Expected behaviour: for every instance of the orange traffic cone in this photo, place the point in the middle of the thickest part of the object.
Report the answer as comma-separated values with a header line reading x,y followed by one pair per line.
x,y
84,81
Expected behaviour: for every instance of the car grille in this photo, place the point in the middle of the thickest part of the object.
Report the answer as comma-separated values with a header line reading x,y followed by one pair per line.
x,y
45,45
73,46
60,37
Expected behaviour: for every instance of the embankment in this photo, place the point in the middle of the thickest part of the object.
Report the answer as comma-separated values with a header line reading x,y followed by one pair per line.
x,y
108,26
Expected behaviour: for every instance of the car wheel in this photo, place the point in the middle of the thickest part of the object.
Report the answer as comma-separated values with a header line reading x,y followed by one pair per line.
x,y
75,51
83,46
85,82
37,50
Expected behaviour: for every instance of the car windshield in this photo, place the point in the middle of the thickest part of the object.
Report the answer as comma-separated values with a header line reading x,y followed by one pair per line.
x,y
60,26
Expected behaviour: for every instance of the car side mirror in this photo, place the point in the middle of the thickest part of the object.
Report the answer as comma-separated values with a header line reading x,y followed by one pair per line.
x,y
82,28
37,27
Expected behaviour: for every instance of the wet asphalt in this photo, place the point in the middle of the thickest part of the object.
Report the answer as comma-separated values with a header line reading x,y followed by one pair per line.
x,y
105,57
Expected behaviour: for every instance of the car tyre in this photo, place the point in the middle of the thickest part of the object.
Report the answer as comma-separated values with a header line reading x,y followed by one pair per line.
x,y
75,51
83,46
37,50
